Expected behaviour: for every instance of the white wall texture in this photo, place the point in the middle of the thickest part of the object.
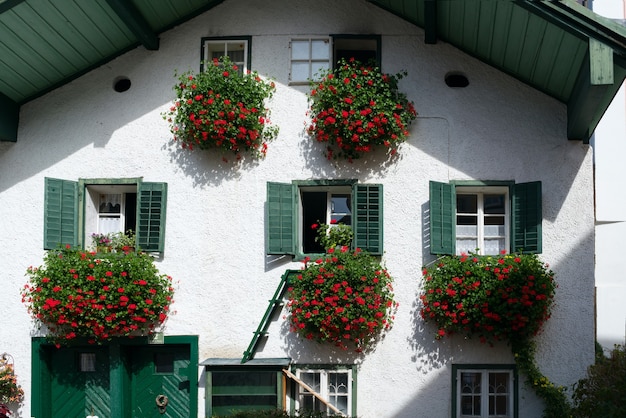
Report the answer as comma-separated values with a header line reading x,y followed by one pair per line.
x,y
609,147
495,129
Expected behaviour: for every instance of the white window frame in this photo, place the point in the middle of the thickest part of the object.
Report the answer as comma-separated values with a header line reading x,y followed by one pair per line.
x,y
485,392
223,45
312,62
480,192
325,390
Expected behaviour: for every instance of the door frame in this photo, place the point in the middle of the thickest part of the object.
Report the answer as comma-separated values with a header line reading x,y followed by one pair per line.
x,y
120,388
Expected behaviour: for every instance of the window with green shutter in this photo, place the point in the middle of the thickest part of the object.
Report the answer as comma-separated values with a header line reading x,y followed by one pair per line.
x,y
293,210
487,217
74,210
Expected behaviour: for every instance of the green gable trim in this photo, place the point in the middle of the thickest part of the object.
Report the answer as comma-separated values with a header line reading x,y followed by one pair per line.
x,y
9,119
135,21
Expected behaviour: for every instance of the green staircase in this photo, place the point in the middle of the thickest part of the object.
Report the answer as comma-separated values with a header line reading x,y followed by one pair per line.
x,y
275,305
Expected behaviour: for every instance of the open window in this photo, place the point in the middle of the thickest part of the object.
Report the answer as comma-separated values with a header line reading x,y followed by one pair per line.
x,y
310,56
293,208
74,210
235,48
490,216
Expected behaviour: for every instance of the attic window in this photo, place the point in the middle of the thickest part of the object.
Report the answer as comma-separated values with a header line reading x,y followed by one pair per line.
x,y
456,79
121,84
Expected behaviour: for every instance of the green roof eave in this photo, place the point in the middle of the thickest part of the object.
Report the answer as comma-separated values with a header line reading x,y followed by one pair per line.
x,y
9,119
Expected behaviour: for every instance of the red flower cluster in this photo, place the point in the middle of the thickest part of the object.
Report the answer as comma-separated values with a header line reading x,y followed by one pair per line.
x,y
346,298
222,108
497,298
98,296
356,108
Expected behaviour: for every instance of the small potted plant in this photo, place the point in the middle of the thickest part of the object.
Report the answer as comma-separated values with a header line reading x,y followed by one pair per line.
x,y
102,243
355,109
124,241
10,391
222,108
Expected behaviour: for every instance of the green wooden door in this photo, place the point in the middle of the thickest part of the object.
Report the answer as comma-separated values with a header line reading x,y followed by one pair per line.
x,y
160,371
79,382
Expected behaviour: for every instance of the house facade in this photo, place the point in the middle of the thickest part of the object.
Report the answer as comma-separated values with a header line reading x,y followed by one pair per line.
x,y
489,138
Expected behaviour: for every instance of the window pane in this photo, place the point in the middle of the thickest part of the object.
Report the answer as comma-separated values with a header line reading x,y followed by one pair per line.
x,y
467,203
498,394
494,203
320,49
466,245
494,246
493,230
466,230
317,68
340,209
164,362
300,50
312,379
470,393
299,71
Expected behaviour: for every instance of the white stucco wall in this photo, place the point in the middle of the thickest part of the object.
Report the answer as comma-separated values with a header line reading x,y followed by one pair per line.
x,y
609,148
495,129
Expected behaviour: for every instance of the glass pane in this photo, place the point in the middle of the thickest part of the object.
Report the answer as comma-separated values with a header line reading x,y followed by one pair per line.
x,y
494,203
466,230
312,379
300,50
466,245
318,67
494,246
299,71
244,382
340,209
110,203
470,393
494,220
466,203
320,49
164,363
493,230
498,394
466,220
107,225
87,362
340,402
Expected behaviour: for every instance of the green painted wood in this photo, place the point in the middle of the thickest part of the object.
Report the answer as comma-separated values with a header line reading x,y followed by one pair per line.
x,y
442,218
281,219
60,213
135,22
367,220
148,382
9,119
151,205
275,305
600,63
526,217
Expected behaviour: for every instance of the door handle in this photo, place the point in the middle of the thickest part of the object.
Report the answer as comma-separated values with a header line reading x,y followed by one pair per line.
x,y
161,403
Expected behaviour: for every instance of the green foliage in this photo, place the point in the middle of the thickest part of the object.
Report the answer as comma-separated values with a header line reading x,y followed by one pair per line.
x,y
77,293
345,297
504,298
338,235
555,398
501,298
222,108
10,390
603,392
356,108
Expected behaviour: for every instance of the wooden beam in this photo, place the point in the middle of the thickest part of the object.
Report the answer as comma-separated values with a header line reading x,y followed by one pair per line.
x,y
135,21
600,63
9,119
430,21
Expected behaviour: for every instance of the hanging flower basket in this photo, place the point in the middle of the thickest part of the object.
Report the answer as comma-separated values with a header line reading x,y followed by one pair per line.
x,y
497,298
344,297
356,109
222,108
98,296
10,391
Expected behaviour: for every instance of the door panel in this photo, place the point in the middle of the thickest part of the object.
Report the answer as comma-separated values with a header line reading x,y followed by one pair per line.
x,y
76,391
160,370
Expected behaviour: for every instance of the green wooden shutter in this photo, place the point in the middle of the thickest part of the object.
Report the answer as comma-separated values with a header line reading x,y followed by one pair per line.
x,y
60,213
442,218
526,217
151,204
281,222
367,217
